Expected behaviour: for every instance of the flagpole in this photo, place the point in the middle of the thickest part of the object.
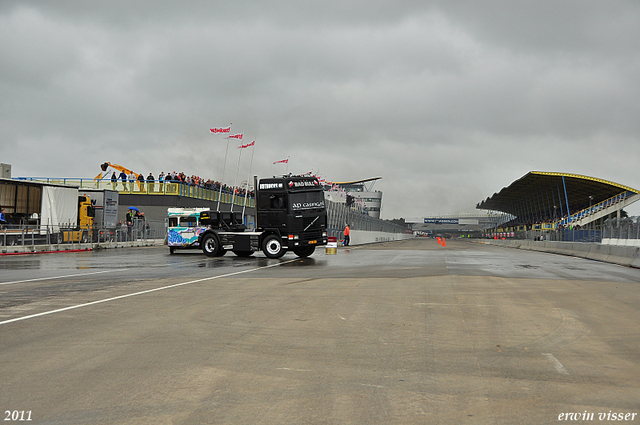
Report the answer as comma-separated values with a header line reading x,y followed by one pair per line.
x,y
248,179
233,198
224,166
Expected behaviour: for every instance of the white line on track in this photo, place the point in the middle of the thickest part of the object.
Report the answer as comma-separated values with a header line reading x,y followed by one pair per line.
x,y
556,363
45,313
60,277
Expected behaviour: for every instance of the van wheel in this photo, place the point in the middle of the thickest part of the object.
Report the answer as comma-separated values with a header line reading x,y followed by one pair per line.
x,y
172,249
272,247
210,245
304,251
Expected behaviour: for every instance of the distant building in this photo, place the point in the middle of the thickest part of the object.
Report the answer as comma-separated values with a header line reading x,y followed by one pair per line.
x,y
360,193
458,223
5,171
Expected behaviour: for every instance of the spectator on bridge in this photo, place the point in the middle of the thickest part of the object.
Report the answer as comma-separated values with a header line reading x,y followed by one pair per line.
x,y
132,179
161,180
123,177
114,180
150,181
141,182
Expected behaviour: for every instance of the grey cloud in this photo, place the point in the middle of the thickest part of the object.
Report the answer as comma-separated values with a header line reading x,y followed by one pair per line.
x,y
447,101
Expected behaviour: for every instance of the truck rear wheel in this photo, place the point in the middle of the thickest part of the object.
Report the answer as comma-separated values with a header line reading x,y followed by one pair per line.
x,y
210,245
272,247
304,251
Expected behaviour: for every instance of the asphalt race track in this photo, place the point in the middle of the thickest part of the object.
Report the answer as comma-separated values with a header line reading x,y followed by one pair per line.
x,y
393,333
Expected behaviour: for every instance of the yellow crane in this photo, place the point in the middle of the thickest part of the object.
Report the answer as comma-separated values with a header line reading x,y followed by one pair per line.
x,y
107,165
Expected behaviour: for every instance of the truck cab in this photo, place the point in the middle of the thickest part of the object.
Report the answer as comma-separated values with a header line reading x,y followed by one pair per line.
x,y
292,209
84,230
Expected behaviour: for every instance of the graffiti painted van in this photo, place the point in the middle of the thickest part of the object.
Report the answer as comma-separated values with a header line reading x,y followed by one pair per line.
x,y
184,227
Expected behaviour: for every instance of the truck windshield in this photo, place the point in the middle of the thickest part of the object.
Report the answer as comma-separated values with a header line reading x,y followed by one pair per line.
x,y
306,200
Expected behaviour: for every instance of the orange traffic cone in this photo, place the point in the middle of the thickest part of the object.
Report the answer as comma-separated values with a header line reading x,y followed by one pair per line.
x,y
439,240
443,242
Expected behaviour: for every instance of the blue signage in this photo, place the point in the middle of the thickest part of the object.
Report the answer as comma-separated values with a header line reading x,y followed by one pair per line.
x,y
441,221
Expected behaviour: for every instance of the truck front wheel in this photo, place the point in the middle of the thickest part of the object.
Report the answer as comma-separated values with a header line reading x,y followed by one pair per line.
x,y
210,245
272,247
304,251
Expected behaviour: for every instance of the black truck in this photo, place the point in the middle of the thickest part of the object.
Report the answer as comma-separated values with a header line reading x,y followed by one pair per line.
x,y
290,216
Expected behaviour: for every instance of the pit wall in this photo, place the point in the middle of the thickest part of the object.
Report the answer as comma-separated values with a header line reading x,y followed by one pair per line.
x,y
361,237
622,255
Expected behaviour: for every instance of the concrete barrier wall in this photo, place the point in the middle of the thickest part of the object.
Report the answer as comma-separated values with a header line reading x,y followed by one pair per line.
x,y
623,255
38,249
360,237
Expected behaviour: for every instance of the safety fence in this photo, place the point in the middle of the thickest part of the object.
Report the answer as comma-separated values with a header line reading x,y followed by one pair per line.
x,y
57,237
154,188
339,214
627,228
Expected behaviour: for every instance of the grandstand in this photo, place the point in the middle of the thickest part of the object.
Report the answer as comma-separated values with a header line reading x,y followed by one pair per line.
x,y
551,200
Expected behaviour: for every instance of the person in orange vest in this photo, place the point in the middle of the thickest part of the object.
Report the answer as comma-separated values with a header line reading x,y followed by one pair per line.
x,y
346,235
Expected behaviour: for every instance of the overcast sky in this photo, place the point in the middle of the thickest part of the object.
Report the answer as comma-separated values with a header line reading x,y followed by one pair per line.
x,y
447,101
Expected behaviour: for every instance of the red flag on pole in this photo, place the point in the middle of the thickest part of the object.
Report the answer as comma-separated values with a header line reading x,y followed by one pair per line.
x,y
246,146
220,130
284,161
236,136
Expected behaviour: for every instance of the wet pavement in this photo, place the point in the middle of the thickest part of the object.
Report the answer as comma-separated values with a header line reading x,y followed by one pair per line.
x,y
399,332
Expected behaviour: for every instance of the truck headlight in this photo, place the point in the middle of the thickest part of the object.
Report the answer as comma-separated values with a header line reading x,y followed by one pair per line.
x,y
324,234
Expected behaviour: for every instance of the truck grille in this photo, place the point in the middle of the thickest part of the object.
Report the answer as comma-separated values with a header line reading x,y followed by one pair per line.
x,y
313,232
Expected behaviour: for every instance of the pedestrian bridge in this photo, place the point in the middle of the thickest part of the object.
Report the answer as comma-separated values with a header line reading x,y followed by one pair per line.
x,y
153,189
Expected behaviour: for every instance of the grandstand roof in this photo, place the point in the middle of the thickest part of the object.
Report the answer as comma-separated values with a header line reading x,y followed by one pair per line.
x,y
358,181
539,191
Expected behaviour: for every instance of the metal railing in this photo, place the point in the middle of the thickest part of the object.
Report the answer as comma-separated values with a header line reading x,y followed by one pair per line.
x,y
58,237
595,208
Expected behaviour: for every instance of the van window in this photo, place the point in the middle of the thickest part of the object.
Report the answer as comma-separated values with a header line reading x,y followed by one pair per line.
x,y
188,222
